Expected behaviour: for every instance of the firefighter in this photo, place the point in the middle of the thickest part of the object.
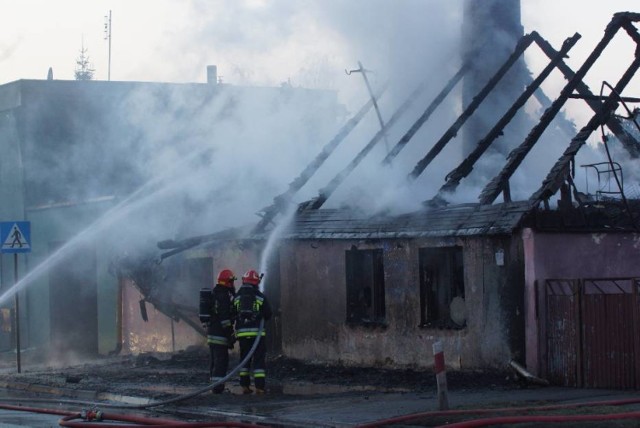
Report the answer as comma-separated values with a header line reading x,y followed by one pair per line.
x,y
220,335
250,307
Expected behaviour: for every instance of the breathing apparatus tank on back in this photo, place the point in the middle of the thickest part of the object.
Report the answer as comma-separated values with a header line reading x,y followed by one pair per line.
x,y
225,279
206,300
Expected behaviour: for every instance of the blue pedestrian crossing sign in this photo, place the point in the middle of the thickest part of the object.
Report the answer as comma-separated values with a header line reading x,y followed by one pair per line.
x,y
15,236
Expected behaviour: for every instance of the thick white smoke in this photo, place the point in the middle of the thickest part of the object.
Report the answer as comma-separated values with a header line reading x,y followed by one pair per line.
x,y
217,164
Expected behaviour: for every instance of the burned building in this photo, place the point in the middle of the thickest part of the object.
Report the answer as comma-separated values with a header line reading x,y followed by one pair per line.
x,y
549,280
545,277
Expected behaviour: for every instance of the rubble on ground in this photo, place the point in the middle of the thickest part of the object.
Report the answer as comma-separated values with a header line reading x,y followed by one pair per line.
x,y
162,376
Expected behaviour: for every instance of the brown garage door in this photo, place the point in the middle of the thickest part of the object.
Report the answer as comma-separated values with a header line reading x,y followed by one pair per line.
x,y
592,338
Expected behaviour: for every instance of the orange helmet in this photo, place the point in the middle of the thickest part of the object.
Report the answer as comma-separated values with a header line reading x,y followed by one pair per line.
x,y
226,278
251,277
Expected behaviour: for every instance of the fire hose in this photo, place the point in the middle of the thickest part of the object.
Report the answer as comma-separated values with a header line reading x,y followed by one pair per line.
x,y
90,419
513,419
74,415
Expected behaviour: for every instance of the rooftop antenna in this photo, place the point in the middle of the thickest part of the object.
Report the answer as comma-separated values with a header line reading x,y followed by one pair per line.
x,y
107,36
364,72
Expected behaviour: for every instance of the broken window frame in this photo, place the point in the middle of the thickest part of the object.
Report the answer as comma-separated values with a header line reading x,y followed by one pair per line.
x,y
441,275
365,302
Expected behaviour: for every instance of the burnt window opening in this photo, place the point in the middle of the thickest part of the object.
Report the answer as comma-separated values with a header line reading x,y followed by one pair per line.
x,y
365,287
442,288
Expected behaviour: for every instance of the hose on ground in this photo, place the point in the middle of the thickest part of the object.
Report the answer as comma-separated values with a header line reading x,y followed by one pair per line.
x,y
68,420
541,419
151,404
484,410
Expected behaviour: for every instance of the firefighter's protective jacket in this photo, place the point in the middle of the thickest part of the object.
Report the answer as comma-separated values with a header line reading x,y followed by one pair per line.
x,y
249,327
220,329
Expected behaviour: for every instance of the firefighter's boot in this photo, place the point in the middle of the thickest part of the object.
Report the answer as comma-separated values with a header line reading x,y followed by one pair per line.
x,y
246,390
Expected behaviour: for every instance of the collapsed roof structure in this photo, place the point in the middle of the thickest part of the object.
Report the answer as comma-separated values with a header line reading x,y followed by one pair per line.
x,y
439,217
561,173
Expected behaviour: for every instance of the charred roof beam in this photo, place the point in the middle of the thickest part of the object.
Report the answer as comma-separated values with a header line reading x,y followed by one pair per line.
x,y
328,190
601,99
466,166
281,201
522,45
426,115
515,158
627,140
560,170
464,169
565,124
632,31
178,246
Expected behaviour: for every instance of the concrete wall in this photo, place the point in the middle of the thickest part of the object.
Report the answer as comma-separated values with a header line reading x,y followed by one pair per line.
x,y
569,256
313,304
62,224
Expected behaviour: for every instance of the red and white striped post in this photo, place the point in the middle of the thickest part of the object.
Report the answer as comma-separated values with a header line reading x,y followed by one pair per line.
x,y
441,376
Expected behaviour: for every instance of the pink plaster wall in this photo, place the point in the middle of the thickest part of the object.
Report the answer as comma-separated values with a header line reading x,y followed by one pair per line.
x,y
570,256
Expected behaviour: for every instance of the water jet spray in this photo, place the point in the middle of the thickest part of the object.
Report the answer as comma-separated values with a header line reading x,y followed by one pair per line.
x,y
273,238
111,216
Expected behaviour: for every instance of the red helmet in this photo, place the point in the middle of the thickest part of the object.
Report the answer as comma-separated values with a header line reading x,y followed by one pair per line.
x,y
226,278
251,277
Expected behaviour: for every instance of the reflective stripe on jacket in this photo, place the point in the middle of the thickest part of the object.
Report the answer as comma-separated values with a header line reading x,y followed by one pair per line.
x,y
217,340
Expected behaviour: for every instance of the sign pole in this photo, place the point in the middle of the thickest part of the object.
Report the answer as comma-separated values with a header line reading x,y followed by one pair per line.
x,y
17,303
15,237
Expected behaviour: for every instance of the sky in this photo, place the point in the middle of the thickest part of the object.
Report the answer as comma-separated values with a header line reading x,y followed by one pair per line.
x,y
308,43
262,42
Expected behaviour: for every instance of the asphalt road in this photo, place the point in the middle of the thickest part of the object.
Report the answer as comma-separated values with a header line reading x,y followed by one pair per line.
x,y
298,396
314,410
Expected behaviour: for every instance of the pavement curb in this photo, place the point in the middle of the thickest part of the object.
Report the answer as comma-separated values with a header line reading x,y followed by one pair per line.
x,y
80,394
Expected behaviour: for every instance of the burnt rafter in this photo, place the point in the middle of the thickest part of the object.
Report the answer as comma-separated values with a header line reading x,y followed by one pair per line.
x,y
333,185
594,102
522,45
425,116
515,158
564,123
560,170
281,201
466,166
328,190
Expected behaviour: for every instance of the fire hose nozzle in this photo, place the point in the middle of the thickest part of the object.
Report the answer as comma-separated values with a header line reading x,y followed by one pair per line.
x,y
91,415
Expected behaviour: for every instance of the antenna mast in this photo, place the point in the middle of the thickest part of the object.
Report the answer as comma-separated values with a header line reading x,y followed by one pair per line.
x,y
107,36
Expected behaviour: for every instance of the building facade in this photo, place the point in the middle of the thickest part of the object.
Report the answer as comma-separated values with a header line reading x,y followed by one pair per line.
x,y
81,160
